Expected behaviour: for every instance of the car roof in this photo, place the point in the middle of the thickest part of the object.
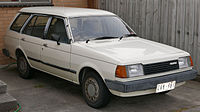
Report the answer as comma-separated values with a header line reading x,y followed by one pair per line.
x,y
66,11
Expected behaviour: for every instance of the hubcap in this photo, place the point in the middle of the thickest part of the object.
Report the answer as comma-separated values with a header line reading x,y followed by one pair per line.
x,y
91,89
22,65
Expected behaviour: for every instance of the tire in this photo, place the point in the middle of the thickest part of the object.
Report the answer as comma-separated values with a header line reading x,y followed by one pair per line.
x,y
24,68
95,92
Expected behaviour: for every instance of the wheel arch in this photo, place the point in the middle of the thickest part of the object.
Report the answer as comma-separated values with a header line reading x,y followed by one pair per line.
x,y
18,52
85,69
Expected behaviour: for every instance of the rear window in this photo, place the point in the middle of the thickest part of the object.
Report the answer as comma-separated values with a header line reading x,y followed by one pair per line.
x,y
19,22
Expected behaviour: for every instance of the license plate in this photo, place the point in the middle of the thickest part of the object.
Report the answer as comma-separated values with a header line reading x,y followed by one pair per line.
x,y
165,86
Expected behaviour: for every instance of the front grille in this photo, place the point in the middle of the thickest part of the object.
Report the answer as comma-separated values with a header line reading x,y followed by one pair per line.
x,y
160,67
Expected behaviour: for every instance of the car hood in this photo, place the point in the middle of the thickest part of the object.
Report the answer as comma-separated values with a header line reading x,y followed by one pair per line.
x,y
135,50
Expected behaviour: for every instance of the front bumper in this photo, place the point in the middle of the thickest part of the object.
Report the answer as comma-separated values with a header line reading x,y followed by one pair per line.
x,y
150,83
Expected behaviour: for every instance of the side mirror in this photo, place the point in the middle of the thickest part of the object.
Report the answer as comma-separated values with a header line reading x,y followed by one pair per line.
x,y
56,38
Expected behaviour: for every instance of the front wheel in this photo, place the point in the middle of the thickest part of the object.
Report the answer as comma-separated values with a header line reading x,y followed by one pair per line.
x,y
23,67
95,92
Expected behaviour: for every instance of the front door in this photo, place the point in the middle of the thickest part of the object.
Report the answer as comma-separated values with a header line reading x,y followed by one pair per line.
x,y
56,51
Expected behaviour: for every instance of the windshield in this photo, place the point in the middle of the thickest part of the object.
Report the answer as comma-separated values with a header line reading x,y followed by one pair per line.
x,y
84,28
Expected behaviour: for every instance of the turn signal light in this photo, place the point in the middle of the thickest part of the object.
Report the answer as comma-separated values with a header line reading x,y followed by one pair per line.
x,y
191,62
121,72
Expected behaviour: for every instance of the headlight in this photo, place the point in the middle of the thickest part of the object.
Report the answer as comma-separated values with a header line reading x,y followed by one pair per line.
x,y
185,62
135,70
129,71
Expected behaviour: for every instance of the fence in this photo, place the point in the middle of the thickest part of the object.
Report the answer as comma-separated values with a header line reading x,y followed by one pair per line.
x,y
172,22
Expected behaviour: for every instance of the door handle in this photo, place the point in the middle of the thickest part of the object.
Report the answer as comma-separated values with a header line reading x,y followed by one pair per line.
x,y
45,45
23,39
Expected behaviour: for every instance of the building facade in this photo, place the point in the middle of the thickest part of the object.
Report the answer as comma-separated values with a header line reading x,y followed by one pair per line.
x,y
9,8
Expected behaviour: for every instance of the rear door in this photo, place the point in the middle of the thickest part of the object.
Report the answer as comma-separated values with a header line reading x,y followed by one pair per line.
x,y
56,53
32,38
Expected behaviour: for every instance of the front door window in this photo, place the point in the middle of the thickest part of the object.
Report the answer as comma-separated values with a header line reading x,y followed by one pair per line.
x,y
57,30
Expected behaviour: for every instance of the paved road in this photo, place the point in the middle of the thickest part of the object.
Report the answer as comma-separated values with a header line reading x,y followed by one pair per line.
x,y
45,93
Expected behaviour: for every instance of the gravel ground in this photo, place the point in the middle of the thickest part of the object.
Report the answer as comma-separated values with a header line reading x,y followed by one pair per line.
x,y
46,93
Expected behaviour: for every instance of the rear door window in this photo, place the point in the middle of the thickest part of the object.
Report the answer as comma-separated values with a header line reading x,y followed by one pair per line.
x,y
36,26
19,22
29,27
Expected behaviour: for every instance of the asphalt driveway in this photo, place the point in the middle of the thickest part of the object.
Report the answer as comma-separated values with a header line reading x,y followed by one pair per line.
x,y
46,93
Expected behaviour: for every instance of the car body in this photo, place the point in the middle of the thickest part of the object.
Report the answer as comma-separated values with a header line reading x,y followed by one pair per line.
x,y
51,39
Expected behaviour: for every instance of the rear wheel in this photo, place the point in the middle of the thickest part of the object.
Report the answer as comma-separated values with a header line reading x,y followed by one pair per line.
x,y
94,90
23,67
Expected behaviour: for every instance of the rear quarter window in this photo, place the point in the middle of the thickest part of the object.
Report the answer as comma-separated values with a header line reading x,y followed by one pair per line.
x,y
19,22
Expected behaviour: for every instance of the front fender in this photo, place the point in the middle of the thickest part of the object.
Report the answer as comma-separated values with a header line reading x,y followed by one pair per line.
x,y
90,65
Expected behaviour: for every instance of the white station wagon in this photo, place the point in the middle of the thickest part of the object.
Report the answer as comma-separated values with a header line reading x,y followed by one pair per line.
x,y
95,49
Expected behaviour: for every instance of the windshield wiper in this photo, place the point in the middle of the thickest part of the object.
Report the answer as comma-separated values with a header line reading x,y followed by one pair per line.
x,y
128,35
101,38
